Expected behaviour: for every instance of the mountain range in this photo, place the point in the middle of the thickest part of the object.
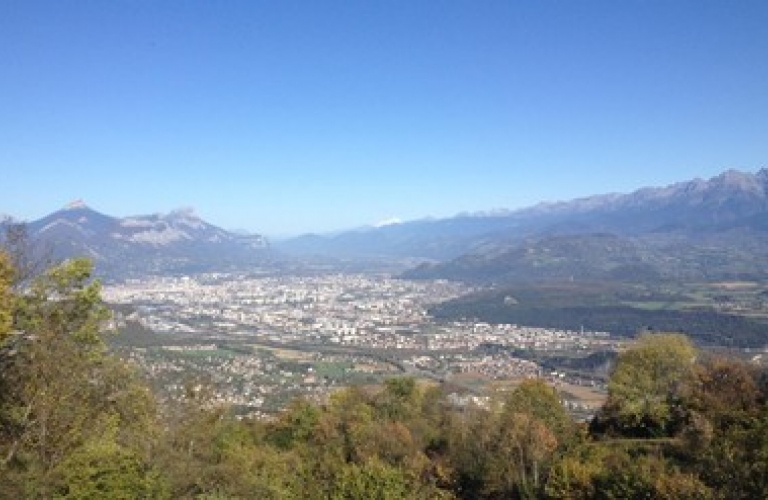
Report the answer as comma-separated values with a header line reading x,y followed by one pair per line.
x,y
161,243
698,229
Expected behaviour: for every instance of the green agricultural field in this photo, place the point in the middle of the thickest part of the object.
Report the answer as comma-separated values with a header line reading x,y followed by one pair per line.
x,y
335,370
206,353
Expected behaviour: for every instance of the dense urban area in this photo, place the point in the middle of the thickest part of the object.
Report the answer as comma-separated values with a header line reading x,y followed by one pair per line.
x,y
262,340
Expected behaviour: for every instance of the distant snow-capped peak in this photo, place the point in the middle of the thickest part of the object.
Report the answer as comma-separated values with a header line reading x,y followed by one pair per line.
x,y
77,204
388,222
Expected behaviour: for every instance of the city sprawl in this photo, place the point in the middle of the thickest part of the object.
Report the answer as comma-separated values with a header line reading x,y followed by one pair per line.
x,y
258,341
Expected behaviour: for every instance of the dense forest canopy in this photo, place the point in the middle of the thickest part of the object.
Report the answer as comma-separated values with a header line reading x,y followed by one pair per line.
x,y
76,422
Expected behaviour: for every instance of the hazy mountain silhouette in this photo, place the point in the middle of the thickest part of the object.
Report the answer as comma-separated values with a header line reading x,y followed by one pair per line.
x,y
697,229
175,242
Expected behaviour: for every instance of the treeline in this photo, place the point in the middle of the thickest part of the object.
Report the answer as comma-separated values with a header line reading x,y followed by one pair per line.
x,y
705,326
77,423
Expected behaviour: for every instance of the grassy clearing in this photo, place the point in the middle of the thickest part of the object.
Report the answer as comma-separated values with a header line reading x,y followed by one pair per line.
x,y
206,353
332,369
374,367
285,354
589,396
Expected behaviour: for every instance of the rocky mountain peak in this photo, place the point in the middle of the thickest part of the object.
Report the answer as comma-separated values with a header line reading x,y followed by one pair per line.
x,y
144,243
78,204
738,181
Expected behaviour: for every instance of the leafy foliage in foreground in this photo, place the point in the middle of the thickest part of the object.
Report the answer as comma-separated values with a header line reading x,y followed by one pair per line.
x,y
78,424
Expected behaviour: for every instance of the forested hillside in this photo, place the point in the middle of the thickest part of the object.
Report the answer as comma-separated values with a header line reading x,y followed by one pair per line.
x,y
75,422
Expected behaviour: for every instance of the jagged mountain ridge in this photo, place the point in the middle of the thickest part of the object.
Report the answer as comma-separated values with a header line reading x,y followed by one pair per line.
x,y
731,201
689,231
727,213
156,243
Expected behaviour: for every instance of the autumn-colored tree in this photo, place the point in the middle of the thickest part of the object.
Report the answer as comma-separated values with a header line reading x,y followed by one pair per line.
x,y
506,450
724,441
724,388
536,398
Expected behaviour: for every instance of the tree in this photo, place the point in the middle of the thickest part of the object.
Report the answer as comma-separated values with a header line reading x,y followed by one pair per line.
x,y
58,386
48,372
638,476
102,468
506,451
725,440
539,400
645,388
7,276
724,389
574,475
29,258
375,481
295,425
399,399
532,425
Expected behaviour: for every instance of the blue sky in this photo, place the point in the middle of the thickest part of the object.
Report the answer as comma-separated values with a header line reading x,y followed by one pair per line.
x,y
288,117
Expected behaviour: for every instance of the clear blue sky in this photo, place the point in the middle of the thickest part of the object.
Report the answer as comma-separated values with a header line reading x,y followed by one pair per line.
x,y
284,117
